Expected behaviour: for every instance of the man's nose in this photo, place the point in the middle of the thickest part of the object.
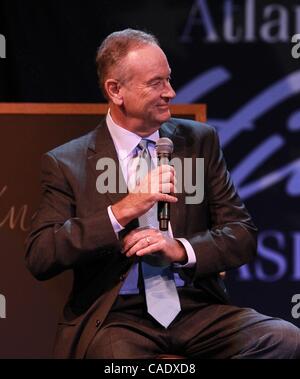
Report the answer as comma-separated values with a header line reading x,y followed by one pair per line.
x,y
168,91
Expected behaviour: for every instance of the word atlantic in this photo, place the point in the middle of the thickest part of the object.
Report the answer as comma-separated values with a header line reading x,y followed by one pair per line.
x,y
2,46
2,306
189,178
241,22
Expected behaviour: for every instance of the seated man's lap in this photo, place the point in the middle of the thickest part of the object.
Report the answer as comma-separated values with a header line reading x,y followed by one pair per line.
x,y
210,331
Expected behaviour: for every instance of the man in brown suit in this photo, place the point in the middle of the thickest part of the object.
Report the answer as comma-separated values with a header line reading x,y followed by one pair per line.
x,y
97,235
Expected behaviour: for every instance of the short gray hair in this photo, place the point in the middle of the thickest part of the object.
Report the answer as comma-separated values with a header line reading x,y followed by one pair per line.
x,y
115,47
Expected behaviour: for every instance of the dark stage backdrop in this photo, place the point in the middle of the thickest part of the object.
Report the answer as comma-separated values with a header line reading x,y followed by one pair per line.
x,y
238,57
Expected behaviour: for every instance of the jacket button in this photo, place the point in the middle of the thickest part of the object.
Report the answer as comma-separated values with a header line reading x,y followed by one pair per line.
x,y
97,323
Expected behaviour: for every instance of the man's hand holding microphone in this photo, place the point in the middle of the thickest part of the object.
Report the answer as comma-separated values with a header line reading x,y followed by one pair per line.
x,y
158,186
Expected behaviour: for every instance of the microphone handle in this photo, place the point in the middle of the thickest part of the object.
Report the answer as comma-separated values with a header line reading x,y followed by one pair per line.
x,y
163,212
163,207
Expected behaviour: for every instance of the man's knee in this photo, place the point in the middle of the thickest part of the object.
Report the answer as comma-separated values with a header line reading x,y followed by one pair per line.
x,y
283,340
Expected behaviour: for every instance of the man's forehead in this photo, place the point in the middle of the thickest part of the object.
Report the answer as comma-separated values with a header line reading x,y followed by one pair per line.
x,y
147,60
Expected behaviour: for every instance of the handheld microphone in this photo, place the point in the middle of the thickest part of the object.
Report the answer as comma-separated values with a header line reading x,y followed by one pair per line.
x,y
164,149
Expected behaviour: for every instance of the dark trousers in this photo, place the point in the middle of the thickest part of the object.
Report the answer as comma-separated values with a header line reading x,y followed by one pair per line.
x,y
201,330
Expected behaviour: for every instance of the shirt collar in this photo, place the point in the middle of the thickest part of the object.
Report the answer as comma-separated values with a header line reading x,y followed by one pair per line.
x,y
124,140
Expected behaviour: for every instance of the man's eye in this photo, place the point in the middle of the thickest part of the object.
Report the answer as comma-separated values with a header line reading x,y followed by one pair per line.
x,y
159,82
156,83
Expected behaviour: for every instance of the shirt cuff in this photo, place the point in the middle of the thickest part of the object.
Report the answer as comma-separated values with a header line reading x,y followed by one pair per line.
x,y
116,226
190,253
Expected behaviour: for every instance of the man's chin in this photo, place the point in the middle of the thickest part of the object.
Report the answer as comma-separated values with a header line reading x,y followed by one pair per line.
x,y
164,115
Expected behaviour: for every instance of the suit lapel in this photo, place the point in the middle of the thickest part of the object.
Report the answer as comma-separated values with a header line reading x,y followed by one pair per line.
x,y
102,147
169,130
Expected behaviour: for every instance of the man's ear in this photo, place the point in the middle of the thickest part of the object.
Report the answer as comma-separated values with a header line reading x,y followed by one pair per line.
x,y
112,88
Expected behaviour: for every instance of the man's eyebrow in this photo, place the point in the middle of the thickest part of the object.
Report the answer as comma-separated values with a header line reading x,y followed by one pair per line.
x,y
154,78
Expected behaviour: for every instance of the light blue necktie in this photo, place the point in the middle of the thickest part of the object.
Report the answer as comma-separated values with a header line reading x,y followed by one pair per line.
x,y
160,290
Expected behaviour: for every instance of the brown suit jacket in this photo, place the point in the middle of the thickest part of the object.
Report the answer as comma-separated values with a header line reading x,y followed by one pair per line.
x,y
72,229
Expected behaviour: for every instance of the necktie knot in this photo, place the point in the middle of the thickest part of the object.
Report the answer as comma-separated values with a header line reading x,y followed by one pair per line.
x,y
143,146
144,159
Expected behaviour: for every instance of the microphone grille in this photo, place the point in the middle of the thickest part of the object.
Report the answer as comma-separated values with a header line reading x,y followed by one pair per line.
x,y
164,146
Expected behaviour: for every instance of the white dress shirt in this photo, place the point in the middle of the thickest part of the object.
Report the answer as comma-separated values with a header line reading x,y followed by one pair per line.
x,y
125,144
